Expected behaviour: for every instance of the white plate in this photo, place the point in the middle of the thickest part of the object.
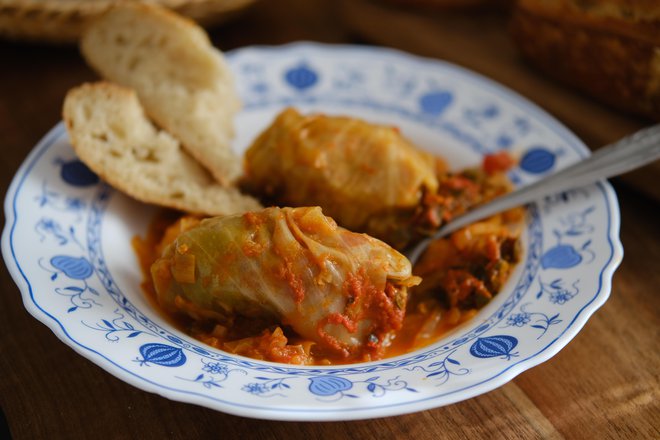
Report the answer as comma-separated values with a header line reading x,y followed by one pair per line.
x,y
67,245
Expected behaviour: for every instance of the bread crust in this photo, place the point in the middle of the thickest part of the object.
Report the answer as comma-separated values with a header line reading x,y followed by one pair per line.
x,y
63,21
610,50
452,4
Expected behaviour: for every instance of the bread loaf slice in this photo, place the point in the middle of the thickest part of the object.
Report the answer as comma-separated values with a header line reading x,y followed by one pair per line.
x,y
112,135
182,81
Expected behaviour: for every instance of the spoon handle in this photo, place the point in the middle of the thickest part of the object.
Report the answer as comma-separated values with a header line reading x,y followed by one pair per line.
x,y
629,153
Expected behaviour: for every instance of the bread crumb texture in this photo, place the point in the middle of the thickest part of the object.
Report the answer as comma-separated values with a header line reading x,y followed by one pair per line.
x,y
112,135
182,81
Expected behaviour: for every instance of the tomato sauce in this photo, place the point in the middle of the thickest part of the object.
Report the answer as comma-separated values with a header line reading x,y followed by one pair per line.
x,y
460,274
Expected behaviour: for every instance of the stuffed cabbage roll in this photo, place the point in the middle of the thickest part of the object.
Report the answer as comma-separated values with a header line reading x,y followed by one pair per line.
x,y
367,177
344,291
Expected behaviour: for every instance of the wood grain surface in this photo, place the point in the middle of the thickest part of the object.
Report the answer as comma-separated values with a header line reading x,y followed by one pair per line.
x,y
604,384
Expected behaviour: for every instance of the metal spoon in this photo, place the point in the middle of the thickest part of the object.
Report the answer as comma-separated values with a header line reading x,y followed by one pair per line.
x,y
629,153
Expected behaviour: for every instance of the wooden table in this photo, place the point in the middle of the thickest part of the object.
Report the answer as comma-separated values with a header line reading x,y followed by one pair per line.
x,y
604,384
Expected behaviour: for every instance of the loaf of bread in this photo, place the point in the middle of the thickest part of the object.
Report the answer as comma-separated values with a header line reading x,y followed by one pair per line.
x,y
451,4
610,49
111,134
182,81
63,21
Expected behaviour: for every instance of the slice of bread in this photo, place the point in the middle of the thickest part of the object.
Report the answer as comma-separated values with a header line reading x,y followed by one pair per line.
x,y
112,135
182,81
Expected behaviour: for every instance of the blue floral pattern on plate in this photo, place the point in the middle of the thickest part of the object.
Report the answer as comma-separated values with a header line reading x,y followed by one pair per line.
x,y
67,245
